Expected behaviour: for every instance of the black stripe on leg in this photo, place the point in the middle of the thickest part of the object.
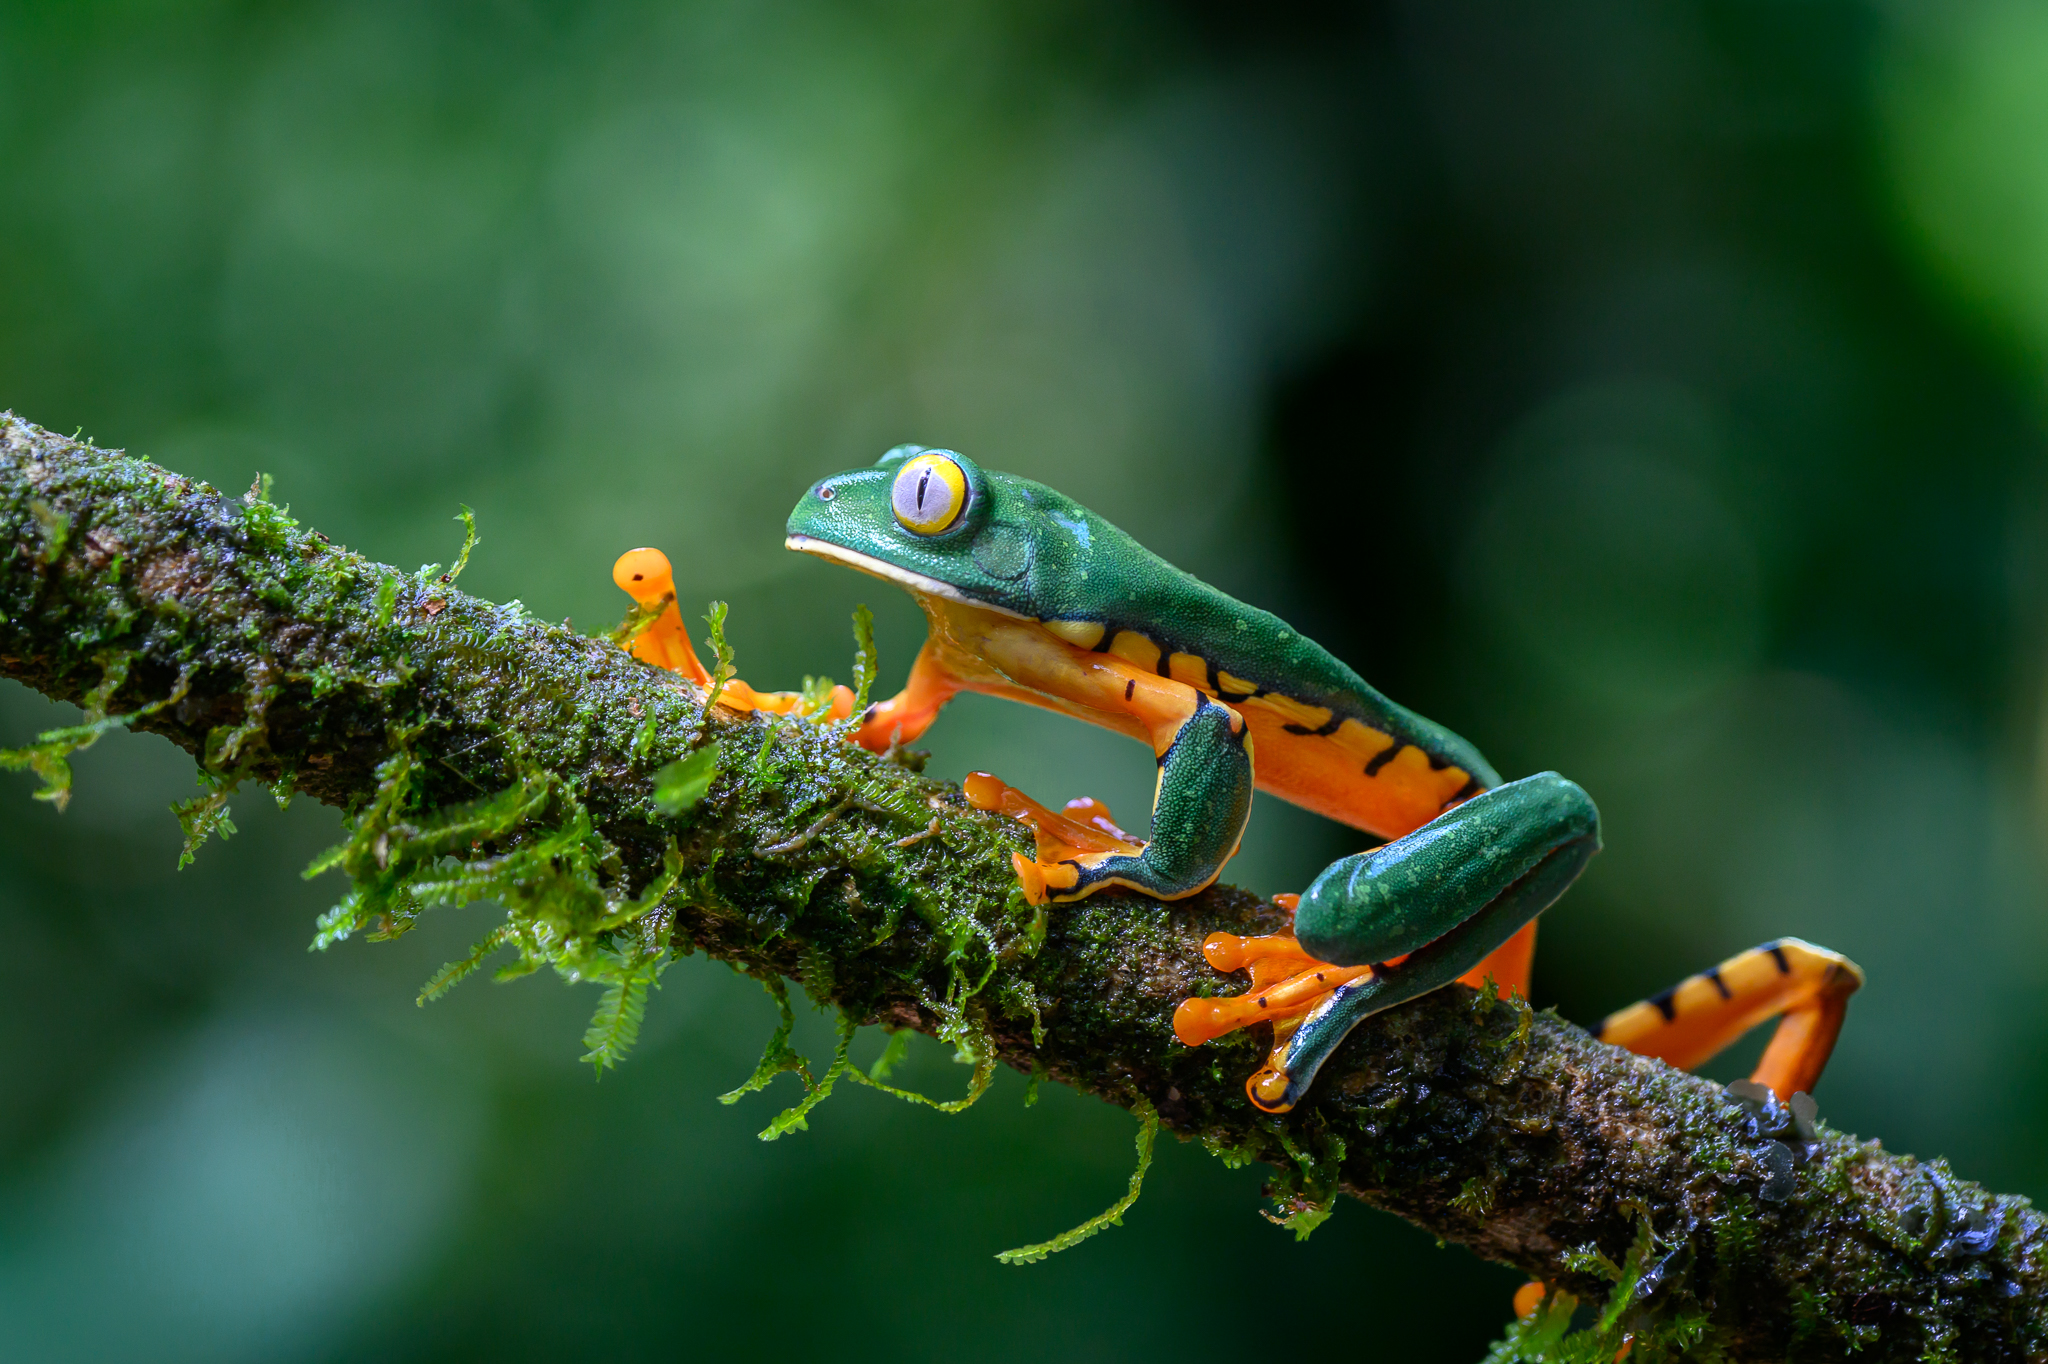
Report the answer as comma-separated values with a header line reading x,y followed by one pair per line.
x,y
1665,1003
1714,975
1328,727
1130,686
1464,793
1778,955
1383,757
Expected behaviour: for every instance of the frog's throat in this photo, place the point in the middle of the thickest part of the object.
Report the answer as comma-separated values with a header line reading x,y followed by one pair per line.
x,y
916,583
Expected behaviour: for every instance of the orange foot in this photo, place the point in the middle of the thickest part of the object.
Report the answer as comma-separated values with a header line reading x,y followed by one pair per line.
x,y
1083,829
1287,985
645,575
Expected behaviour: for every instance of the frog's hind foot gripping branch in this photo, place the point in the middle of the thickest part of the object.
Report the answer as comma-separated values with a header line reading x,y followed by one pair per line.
x,y
1387,926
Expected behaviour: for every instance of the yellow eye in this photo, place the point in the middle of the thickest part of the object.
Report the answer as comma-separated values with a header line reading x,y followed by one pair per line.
x,y
930,494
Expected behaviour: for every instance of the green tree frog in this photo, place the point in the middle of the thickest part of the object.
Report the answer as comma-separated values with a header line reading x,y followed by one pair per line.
x,y
1033,597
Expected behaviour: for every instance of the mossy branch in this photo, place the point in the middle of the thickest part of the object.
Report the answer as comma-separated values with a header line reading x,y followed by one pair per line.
x,y
483,753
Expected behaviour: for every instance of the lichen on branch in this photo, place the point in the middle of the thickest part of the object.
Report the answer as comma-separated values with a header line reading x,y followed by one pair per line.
x,y
481,753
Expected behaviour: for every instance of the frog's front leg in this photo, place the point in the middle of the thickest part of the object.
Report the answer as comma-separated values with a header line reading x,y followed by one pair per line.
x,y
645,576
910,712
1386,926
1201,800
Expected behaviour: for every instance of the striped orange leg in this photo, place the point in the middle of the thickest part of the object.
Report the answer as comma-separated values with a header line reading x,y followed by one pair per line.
x,y
1806,988
645,575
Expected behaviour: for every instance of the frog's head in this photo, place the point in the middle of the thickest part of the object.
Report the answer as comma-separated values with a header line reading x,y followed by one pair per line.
x,y
936,523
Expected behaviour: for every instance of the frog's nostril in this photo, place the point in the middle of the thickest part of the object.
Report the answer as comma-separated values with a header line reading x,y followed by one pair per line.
x,y
827,493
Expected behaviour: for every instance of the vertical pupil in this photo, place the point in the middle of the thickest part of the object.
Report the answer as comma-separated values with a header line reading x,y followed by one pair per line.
x,y
924,481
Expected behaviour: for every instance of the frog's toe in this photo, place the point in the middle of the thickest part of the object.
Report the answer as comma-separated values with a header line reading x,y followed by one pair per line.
x,y
1070,843
1287,985
1094,814
1203,1020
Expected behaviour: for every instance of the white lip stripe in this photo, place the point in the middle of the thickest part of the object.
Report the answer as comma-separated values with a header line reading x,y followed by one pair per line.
x,y
881,568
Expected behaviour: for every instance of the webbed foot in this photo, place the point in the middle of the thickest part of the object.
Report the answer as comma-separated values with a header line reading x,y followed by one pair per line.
x,y
646,576
1380,928
1287,985
1067,840
1205,792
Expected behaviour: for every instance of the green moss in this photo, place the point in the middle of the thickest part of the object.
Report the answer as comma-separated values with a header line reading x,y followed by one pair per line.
x,y
1474,1197
49,756
1305,1191
204,816
779,1057
56,528
796,1119
533,848
469,543
983,1061
1113,1215
893,1052
681,784
1625,1320
631,972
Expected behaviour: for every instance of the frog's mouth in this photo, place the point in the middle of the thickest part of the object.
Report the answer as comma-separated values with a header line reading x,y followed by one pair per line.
x,y
916,583
875,568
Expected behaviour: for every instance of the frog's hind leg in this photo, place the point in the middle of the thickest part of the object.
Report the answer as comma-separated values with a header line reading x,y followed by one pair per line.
x,y
1805,987
1383,927
1507,966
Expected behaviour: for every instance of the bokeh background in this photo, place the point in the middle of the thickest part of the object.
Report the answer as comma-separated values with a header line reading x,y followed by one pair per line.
x,y
1654,391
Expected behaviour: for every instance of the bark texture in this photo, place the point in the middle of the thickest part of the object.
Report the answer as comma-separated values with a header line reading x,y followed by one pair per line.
x,y
270,654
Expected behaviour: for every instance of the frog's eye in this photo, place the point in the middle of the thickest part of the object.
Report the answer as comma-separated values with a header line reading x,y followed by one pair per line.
x,y
930,494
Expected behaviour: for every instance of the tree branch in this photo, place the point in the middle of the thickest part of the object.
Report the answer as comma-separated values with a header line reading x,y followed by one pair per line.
x,y
483,752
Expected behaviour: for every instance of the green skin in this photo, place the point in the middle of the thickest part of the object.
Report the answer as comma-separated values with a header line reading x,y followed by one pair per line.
x,y
1448,893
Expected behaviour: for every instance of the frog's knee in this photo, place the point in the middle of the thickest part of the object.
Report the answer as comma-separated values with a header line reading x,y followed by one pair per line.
x,y
1552,809
1392,900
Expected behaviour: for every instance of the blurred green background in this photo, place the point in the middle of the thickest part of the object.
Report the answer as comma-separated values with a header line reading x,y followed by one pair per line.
x,y
1651,391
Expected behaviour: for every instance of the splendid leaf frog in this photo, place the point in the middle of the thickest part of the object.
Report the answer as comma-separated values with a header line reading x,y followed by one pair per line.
x,y
1031,596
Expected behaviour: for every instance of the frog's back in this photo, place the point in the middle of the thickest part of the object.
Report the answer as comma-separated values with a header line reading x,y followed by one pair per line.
x,y
1323,737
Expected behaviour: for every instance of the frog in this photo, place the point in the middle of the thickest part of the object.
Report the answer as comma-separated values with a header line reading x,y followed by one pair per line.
x,y
1032,597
